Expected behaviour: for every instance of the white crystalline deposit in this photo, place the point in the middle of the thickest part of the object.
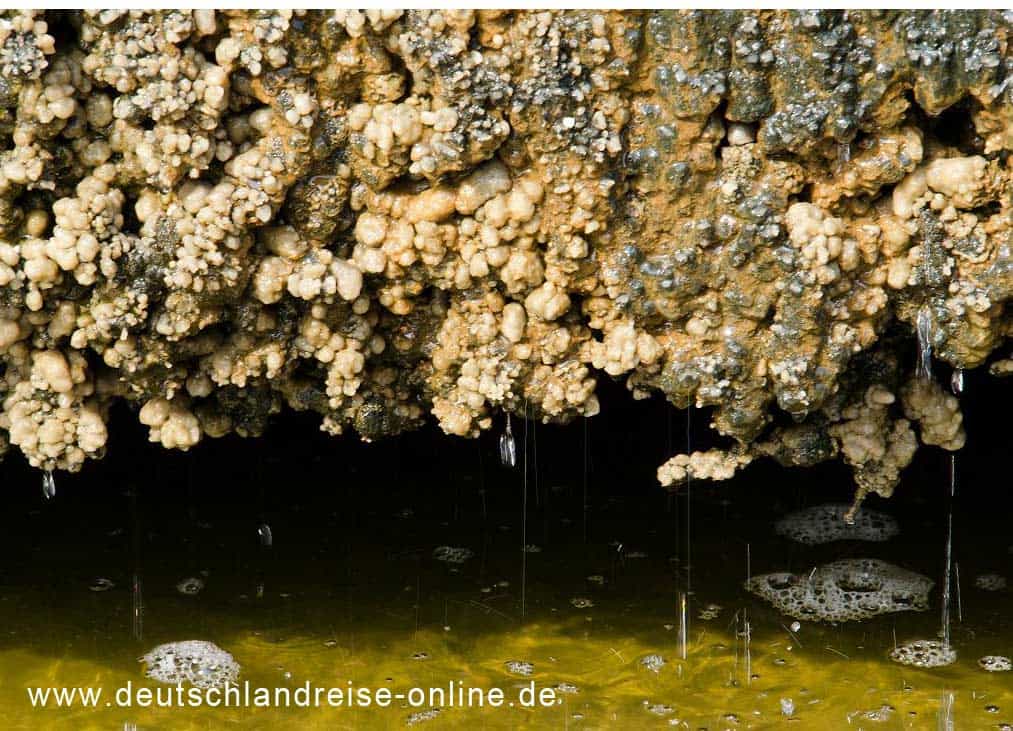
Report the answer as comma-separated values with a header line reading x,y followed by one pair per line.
x,y
825,524
202,664
852,589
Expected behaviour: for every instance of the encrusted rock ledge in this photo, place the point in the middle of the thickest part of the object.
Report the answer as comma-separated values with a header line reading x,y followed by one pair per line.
x,y
387,216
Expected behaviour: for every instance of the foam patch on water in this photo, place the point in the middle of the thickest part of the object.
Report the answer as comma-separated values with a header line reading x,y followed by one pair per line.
x,y
452,554
990,582
654,663
825,524
924,654
422,716
852,589
658,709
519,667
202,664
996,664
190,586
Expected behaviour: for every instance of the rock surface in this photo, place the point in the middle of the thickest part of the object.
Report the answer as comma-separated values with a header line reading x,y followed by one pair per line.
x,y
388,216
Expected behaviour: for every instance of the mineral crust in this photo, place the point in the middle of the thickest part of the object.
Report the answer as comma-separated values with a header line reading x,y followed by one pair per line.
x,y
388,216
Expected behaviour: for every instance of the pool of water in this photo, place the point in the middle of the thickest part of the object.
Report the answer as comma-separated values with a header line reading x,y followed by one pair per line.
x,y
350,592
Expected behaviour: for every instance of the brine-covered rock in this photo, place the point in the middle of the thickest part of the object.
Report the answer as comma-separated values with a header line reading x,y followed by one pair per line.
x,y
389,217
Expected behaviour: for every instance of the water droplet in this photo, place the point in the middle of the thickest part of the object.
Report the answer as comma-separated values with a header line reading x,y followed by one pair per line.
x,y
266,539
923,328
957,381
507,446
48,485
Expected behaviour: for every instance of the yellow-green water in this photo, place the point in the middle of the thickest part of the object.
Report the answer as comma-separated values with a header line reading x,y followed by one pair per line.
x,y
832,676
355,595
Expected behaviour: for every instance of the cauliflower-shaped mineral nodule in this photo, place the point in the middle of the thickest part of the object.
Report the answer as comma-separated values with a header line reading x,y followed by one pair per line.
x,y
390,216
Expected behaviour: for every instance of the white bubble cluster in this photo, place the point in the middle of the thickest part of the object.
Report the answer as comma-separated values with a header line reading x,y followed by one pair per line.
x,y
452,554
995,664
653,662
990,582
519,667
924,654
200,663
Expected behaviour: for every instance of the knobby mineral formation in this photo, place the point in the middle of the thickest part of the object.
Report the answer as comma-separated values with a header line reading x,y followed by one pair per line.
x,y
386,216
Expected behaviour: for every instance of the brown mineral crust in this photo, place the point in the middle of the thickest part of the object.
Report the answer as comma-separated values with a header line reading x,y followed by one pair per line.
x,y
389,216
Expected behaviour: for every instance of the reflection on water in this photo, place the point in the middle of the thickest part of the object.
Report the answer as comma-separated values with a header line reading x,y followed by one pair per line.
x,y
425,583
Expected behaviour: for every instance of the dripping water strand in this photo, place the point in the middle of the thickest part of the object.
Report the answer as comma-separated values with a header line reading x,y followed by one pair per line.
x,y
689,500
669,448
957,386
956,581
534,464
946,578
747,634
684,595
136,588
923,329
583,504
481,482
266,540
748,626
507,445
683,628
524,518
945,718
948,569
